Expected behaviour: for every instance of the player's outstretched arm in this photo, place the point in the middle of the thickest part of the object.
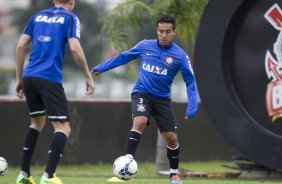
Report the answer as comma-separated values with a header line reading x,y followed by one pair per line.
x,y
20,49
80,60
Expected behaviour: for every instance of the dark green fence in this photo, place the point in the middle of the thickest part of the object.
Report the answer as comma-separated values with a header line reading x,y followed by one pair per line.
x,y
99,133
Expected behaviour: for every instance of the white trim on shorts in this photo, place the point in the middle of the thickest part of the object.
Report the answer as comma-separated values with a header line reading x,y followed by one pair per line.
x,y
37,112
57,117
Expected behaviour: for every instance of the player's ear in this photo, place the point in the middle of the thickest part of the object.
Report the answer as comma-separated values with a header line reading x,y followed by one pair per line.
x,y
71,4
157,29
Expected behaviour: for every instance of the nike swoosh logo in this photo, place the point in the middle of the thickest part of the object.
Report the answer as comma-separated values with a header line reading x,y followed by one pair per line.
x,y
133,139
175,157
148,54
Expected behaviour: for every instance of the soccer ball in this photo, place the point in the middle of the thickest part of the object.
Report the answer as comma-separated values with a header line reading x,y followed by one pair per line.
x,y
125,167
3,166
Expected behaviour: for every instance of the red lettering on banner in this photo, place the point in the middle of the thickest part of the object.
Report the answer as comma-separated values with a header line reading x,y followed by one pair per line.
x,y
274,99
274,16
272,68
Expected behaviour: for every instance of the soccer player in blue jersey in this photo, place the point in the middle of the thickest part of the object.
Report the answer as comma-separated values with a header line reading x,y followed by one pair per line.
x,y
160,59
41,82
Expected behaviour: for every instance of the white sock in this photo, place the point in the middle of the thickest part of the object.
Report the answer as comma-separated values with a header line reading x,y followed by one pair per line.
x,y
46,174
174,171
24,174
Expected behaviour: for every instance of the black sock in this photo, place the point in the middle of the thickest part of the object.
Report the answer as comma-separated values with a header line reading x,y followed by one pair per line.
x,y
28,148
173,157
132,142
55,152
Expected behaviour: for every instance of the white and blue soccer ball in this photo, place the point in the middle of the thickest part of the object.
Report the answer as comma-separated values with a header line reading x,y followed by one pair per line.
x,y
3,166
125,167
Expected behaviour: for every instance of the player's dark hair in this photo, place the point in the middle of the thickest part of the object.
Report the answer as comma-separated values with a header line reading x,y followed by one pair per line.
x,y
167,19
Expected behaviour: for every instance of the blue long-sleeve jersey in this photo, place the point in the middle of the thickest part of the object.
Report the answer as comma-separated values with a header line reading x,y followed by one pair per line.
x,y
158,68
50,30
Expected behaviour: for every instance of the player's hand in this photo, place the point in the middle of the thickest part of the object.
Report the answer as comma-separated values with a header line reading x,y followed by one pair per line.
x,y
19,91
186,117
95,73
90,87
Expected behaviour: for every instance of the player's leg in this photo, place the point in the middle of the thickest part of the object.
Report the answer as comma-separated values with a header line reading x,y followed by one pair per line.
x,y
37,124
139,123
36,109
140,112
55,152
165,118
173,151
173,154
57,112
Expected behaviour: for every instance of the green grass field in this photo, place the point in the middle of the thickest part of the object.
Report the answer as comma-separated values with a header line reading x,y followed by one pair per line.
x,y
99,174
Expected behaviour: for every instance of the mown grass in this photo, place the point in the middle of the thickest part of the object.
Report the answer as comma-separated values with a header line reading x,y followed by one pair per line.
x,y
100,173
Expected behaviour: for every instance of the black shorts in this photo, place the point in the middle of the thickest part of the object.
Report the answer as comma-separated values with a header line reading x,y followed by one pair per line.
x,y
46,96
161,109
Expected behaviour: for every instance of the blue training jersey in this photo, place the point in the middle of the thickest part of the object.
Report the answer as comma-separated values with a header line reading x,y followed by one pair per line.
x,y
50,30
158,68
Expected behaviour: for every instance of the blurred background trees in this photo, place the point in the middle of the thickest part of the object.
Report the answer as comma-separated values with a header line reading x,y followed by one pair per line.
x,y
90,17
104,33
134,20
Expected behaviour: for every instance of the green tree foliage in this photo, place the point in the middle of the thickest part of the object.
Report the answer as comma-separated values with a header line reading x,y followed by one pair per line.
x,y
187,14
134,20
124,22
134,16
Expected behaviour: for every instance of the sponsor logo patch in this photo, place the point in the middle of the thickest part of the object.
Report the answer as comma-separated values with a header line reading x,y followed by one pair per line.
x,y
50,20
154,69
44,38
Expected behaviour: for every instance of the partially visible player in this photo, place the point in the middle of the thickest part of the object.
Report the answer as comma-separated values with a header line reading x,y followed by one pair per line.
x,y
161,59
41,82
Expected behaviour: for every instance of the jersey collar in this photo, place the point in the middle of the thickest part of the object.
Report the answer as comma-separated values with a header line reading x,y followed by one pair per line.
x,y
55,8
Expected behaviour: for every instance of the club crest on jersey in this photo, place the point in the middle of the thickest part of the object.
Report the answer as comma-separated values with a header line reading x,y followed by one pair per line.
x,y
169,60
141,108
273,66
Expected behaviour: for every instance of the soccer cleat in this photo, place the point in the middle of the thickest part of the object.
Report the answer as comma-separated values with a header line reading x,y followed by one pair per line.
x,y
53,180
175,179
22,180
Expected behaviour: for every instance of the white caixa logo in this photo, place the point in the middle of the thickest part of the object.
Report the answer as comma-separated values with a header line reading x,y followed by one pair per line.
x,y
50,20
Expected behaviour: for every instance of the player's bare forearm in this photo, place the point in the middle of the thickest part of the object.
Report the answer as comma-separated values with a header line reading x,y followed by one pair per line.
x,y
82,64
80,60
23,41
19,63
79,57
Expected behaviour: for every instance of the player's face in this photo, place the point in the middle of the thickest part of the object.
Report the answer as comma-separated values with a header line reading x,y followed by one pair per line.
x,y
72,4
165,33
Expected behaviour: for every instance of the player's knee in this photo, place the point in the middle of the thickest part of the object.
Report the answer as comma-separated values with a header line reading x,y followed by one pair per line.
x,y
140,122
62,127
171,140
37,123
68,130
